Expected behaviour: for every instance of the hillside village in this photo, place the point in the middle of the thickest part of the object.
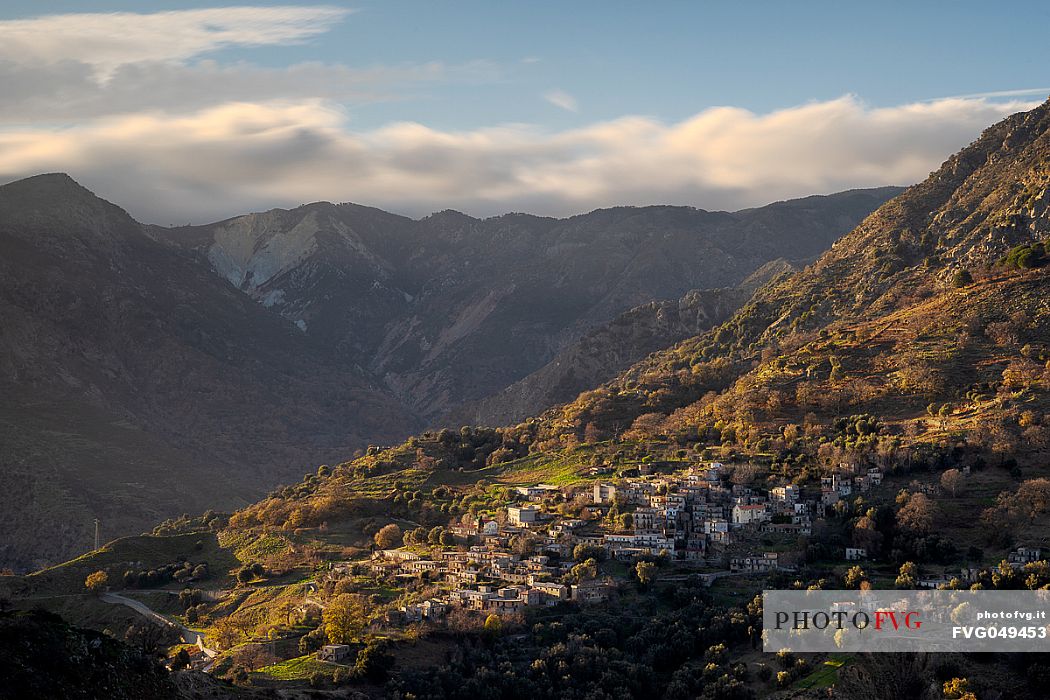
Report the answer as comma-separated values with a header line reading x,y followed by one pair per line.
x,y
693,521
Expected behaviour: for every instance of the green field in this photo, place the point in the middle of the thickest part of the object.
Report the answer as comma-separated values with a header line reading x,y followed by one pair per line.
x,y
298,669
825,675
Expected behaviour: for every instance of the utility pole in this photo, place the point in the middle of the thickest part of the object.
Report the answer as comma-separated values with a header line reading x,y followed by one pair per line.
x,y
96,533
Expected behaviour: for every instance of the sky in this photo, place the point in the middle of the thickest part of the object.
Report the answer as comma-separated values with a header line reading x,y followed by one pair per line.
x,y
194,111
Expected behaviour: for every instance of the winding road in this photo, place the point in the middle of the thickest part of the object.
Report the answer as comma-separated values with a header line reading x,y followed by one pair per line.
x,y
187,635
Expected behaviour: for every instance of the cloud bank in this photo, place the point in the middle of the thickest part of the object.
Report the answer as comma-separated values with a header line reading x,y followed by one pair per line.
x,y
107,41
132,106
227,159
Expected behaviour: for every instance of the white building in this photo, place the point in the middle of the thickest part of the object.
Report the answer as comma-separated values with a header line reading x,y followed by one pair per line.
x,y
604,493
748,514
856,553
521,515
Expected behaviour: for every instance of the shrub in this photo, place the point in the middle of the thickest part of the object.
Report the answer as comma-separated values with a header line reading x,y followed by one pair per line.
x,y
96,582
961,278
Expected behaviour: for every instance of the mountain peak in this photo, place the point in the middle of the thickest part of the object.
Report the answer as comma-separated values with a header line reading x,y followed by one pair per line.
x,y
52,183
58,207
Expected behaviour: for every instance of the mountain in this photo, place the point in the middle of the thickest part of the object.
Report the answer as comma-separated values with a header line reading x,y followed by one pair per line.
x,y
915,349
142,384
606,351
452,309
938,297
138,385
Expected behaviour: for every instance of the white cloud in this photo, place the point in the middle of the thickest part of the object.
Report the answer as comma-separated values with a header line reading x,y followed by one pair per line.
x,y
106,41
69,93
562,99
228,159
1023,92
65,69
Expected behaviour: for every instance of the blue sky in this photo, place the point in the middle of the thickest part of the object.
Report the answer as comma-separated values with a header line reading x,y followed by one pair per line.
x,y
488,82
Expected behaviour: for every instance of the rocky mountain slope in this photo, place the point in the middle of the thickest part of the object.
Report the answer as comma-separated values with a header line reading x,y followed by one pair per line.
x,y
452,309
918,342
938,296
137,385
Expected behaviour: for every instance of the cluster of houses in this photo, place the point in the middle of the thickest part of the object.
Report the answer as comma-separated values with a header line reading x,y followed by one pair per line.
x,y
486,580
1017,559
693,517
696,516
524,558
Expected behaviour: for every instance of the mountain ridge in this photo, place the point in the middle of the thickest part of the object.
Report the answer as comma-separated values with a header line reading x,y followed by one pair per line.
x,y
448,289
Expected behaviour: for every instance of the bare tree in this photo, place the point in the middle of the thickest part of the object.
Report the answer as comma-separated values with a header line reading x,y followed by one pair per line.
x,y
951,480
917,514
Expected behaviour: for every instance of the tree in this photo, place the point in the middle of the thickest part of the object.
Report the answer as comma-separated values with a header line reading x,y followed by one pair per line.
x,y
373,662
908,575
916,516
188,597
866,535
961,278
886,676
958,689
585,571
951,480
227,634
388,537
523,545
345,617
311,641
180,661
646,572
96,582
855,577
146,637
583,552
493,625
253,656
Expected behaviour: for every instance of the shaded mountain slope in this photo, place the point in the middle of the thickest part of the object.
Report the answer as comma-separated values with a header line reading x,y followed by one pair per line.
x,y
43,657
606,351
137,384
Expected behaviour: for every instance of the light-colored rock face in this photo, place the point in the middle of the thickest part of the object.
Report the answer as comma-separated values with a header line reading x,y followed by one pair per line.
x,y
252,250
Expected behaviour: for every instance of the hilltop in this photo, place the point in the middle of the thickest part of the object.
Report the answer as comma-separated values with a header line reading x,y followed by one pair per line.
x,y
137,385
937,297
